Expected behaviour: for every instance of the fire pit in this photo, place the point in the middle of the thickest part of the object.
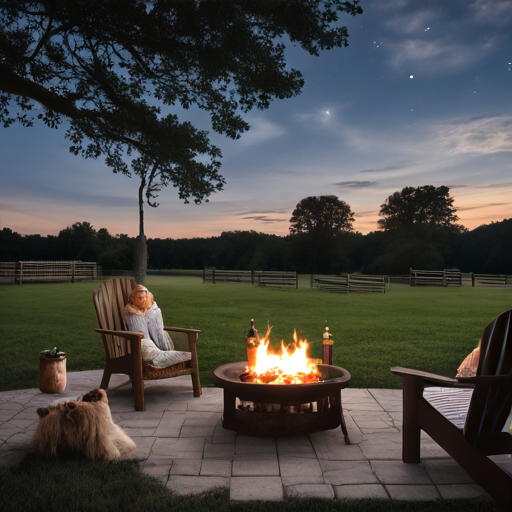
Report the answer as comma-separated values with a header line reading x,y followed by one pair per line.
x,y
281,409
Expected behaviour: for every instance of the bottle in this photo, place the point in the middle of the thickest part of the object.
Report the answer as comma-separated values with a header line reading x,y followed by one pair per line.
x,y
252,342
327,344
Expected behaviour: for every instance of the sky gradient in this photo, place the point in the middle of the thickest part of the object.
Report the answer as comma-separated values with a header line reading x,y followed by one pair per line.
x,y
422,96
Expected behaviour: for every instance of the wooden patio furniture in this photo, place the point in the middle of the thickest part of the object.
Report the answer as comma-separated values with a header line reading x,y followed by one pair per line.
x,y
485,430
123,348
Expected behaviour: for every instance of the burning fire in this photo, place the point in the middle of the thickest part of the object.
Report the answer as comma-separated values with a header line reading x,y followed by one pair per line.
x,y
283,367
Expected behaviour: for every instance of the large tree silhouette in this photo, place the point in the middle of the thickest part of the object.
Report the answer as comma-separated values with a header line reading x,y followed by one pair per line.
x,y
427,206
119,70
317,223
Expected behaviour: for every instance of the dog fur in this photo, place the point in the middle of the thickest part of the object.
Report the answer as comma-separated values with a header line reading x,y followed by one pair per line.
x,y
81,426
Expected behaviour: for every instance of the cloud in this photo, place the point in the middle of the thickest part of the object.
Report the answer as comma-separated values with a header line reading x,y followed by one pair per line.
x,y
439,56
476,136
263,212
356,184
370,213
411,23
477,207
395,167
262,218
261,131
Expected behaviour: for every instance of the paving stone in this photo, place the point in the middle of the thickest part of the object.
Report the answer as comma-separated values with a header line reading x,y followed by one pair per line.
x,y
303,479
413,492
250,464
186,448
186,467
216,467
197,431
360,491
374,422
298,446
329,446
265,488
321,491
258,445
382,446
347,472
396,472
446,471
219,450
170,424
144,447
296,467
185,485
455,491
158,465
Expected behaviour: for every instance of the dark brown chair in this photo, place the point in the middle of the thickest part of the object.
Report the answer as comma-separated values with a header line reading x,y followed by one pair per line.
x,y
489,408
123,348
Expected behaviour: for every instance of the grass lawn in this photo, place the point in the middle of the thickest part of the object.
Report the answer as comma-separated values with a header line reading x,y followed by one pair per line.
x,y
43,485
427,328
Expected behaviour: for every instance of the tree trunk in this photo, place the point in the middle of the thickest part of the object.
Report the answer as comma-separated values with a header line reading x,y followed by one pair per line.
x,y
140,263
141,260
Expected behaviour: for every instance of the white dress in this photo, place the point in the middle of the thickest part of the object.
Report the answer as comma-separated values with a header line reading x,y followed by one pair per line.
x,y
157,346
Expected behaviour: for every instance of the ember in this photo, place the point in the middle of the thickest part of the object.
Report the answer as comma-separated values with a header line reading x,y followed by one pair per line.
x,y
284,367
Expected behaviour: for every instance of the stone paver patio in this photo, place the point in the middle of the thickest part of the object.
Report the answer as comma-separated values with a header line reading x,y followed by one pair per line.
x,y
181,441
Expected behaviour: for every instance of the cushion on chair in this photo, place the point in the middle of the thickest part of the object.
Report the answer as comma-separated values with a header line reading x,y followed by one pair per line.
x,y
452,403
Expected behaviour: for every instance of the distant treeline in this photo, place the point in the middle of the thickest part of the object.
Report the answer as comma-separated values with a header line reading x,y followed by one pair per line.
x,y
486,249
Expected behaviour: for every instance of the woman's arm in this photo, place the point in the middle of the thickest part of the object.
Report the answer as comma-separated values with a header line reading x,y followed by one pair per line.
x,y
137,323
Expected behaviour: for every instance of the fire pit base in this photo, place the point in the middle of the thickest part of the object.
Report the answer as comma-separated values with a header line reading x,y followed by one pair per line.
x,y
271,410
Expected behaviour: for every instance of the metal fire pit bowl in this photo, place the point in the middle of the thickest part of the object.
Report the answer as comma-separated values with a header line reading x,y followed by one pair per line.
x,y
274,406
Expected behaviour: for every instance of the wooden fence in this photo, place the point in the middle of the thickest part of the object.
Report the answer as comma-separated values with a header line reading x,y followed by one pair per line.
x,y
447,277
488,280
261,277
351,283
23,271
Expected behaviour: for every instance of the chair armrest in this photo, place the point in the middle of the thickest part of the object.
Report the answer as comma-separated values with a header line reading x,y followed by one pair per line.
x,y
129,335
485,379
425,376
180,329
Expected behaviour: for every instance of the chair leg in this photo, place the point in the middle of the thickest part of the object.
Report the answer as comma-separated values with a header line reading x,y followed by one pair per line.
x,y
413,390
107,373
138,394
196,383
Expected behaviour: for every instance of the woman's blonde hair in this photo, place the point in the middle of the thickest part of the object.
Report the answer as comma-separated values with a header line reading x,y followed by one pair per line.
x,y
130,309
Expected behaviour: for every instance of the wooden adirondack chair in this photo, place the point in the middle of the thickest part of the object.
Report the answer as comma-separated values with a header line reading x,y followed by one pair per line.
x,y
488,411
123,348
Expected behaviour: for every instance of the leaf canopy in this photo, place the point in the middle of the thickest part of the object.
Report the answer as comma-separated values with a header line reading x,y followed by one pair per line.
x,y
120,70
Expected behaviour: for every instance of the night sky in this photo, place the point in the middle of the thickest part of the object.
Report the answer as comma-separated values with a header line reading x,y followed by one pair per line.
x,y
422,96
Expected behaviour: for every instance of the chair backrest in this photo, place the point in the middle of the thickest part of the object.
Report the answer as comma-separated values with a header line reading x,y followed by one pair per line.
x,y
490,405
109,301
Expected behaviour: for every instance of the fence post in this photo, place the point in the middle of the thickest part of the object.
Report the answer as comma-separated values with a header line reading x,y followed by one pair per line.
x,y
204,274
20,271
73,271
296,280
472,280
252,276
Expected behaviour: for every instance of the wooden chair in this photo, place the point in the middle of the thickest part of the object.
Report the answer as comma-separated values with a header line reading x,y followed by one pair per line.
x,y
123,348
489,409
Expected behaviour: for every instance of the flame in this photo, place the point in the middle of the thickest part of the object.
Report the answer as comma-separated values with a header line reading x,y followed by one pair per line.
x,y
285,366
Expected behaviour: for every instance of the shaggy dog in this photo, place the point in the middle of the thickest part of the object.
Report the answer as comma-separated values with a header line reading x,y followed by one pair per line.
x,y
81,426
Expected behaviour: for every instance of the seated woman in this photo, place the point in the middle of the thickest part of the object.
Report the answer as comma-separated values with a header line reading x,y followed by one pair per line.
x,y
143,314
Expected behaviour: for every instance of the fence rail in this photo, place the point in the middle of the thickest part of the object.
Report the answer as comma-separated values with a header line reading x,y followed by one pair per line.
x,y
261,277
446,277
23,271
352,283
488,280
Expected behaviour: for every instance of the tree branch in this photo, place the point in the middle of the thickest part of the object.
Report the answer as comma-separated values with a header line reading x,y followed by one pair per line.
x,y
11,83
